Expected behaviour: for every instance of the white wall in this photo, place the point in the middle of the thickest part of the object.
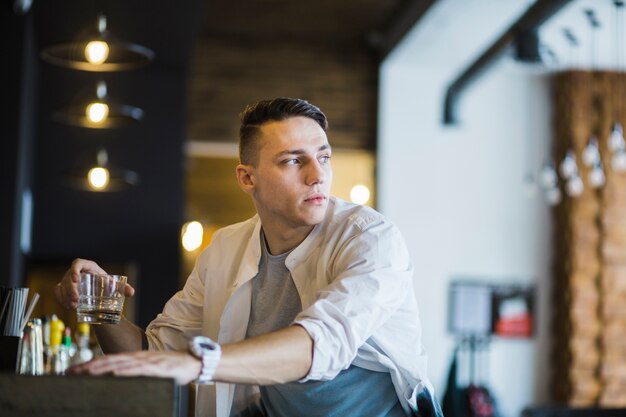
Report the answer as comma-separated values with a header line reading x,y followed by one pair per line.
x,y
459,196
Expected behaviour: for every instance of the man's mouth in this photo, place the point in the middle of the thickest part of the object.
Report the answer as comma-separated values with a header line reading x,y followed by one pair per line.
x,y
316,199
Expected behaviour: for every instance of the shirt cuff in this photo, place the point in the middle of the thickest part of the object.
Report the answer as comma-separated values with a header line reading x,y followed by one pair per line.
x,y
322,363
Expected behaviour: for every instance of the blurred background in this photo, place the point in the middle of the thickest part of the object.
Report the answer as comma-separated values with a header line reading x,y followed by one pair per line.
x,y
488,131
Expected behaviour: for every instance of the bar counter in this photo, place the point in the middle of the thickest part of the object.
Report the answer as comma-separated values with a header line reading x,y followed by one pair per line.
x,y
74,396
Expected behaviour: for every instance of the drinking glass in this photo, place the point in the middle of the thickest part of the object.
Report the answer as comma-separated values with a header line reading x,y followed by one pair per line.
x,y
100,298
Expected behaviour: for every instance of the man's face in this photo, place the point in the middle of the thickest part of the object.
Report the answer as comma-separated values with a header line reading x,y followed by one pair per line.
x,y
290,183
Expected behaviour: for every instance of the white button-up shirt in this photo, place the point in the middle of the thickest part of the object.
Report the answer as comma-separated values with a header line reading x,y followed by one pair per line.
x,y
355,282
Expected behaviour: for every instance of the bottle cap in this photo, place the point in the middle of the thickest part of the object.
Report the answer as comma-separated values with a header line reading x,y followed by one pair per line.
x,y
67,337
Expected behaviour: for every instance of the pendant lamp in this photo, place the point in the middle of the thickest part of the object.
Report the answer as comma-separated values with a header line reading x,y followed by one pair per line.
x,y
99,51
102,176
98,111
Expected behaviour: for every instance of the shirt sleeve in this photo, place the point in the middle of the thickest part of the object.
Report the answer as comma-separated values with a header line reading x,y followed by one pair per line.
x,y
181,318
372,277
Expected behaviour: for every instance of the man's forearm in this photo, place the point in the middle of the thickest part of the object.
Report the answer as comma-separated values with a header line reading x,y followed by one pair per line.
x,y
278,357
117,338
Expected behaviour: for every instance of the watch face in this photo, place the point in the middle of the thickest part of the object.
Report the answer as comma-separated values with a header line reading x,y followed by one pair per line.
x,y
201,344
206,346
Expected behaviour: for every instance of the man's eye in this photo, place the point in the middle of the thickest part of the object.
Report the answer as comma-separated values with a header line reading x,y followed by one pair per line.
x,y
325,159
291,162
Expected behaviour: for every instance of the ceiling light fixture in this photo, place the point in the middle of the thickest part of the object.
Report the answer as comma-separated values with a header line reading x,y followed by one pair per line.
x,y
568,167
549,181
99,111
616,146
553,196
102,177
569,171
98,52
591,153
574,187
596,176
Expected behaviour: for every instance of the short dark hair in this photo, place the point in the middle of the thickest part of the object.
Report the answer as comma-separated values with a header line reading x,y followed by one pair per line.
x,y
255,115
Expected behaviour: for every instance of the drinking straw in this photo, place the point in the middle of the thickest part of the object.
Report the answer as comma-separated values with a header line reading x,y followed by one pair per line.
x,y
7,300
8,329
15,312
19,311
31,306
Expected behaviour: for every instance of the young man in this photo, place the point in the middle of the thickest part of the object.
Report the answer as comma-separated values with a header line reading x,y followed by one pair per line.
x,y
311,300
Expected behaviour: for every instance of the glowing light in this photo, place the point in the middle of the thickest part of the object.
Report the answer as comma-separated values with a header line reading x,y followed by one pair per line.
x,y
553,196
574,186
548,177
359,194
192,236
591,153
618,161
597,177
98,178
96,52
97,112
568,167
616,139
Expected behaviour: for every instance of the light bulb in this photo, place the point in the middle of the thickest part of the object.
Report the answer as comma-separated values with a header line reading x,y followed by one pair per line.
x,y
548,176
96,52
97,112
596,177
591,154
568,167
101,90
574,186
98,178
192,236
359,194
553,196
618,161
616,139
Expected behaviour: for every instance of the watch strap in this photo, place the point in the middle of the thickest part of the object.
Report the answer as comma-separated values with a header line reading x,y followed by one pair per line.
x,y
209,354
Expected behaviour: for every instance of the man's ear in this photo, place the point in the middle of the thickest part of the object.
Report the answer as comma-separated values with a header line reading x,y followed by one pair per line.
x,y
245,177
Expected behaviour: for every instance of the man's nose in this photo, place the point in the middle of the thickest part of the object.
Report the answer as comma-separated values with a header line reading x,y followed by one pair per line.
x,y
316,174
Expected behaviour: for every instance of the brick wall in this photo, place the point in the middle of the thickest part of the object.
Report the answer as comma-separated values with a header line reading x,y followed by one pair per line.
x,y
225,75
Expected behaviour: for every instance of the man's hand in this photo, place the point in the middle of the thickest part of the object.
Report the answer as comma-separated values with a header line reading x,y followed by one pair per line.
x,y
180,366
66,291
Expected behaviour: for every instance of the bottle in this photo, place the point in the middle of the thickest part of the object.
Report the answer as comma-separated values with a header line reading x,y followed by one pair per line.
x,y
31,360
58,358
68,348
45,329
84,352
45,326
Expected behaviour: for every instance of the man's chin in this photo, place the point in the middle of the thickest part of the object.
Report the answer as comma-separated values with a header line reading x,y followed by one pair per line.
x,y
316,215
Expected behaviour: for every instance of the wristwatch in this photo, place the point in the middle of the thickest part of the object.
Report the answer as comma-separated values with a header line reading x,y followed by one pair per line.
x,y
209,353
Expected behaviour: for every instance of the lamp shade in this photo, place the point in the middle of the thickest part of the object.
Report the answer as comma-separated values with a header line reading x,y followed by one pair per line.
x,y
99,51
101,177
98,111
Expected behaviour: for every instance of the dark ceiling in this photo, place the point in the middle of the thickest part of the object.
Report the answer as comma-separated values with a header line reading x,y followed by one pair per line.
x,y
325,21
376,25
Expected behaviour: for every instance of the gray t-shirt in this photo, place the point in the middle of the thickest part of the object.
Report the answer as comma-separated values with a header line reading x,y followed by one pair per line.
x,y
354,392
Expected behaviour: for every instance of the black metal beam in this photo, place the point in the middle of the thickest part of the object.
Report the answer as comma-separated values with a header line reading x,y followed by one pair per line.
x,y
534,17
403,20
19,63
